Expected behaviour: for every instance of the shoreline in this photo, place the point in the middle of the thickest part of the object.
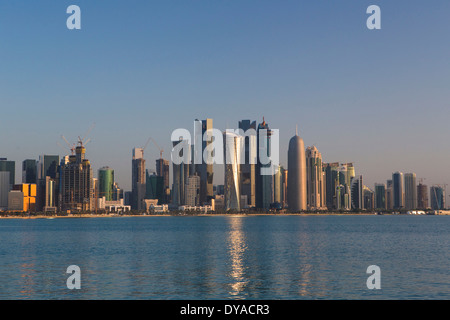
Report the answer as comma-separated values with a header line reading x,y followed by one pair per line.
x,y
90,216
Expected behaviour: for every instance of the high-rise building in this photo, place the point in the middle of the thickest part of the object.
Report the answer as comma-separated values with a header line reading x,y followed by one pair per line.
x,y
297,197
369,198
422,196
437,195
389,194
314,178
181,172
47,166
205,170
357,197
106,183
76,188
46,199
29,192
410,191
248,175
192,192
138,179
380,196
47,181
162,170
29,171
9,166
5,187
278,186
284,185
155,187
398,190
232,154
264,181
332,173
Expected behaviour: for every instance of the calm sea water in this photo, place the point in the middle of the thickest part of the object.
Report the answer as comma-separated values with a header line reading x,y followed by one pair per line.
x,y
219,257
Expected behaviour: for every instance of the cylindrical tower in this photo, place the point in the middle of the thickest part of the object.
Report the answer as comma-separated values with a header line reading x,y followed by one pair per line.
x,y
297,175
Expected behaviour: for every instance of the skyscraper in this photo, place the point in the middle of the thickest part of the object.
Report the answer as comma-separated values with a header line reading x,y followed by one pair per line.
x,y
332,173
264,181
181,173
357,190
389,194
278,186
9,166
297,197
437,195
248,175
422,196
106,183
397,190
155,187
369,198
29,171
232,154
76,188
138,179
5,187
380,196
47,166
314,178
205,170
192,192
410,191
162,170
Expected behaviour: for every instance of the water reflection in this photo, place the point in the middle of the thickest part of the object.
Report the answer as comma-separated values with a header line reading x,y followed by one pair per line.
x,y
237,248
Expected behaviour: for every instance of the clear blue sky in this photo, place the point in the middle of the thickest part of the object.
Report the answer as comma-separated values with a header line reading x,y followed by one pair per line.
x,y
137,69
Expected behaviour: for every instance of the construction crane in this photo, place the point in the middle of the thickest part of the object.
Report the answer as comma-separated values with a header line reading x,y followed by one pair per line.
x,y
71,146
81,141
157,146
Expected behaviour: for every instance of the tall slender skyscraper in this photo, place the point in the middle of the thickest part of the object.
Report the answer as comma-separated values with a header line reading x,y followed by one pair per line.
x,y
410,191
332,174
264,181
380,196
314,178
205,170
232,150
297,197
248,175
138,188
389,194
180,176
357,189
162,170
398,193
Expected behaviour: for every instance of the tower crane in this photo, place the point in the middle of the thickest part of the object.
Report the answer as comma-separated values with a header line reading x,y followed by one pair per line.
x,y
157,146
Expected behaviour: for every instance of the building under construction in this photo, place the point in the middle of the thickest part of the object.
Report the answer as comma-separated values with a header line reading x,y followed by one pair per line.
x,y
76,190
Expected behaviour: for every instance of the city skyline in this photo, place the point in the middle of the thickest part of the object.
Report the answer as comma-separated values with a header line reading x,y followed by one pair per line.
x,y
367,97
126,180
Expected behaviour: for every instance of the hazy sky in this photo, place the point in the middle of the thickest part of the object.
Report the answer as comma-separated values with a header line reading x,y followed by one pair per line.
x,y
137,69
